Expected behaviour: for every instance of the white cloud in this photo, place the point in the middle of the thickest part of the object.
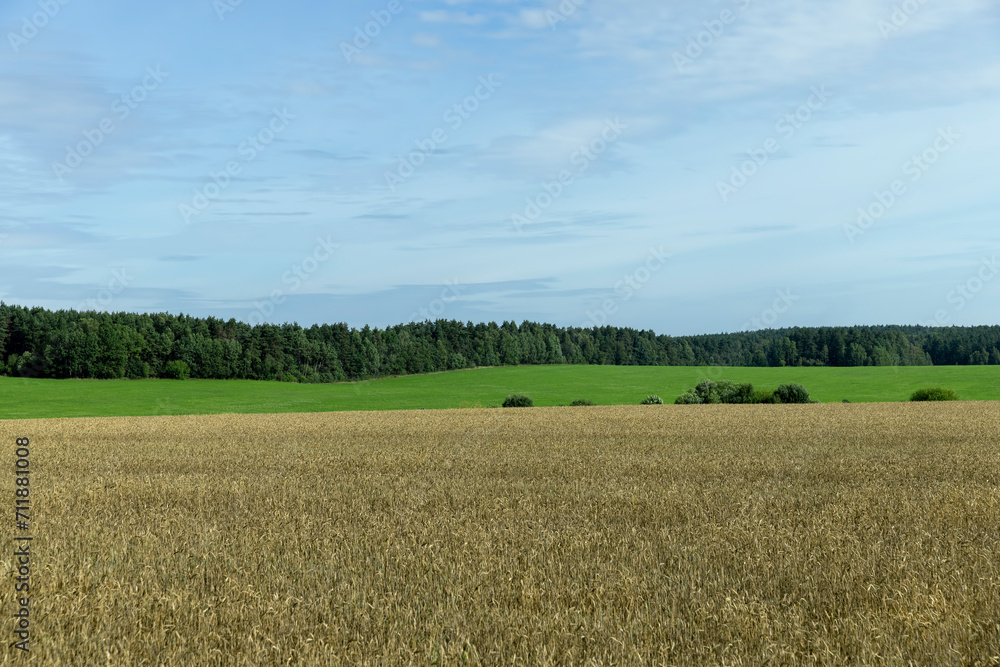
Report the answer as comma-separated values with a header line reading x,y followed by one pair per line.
x,y
770,43
534,19
426,41
444,16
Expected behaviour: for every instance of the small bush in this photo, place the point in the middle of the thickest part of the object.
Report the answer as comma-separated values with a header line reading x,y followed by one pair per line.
x,y
934,394
652,399
723,391
792,393
707,391
518,401
731,392
581,401
176,370
727,391
690,398
764,396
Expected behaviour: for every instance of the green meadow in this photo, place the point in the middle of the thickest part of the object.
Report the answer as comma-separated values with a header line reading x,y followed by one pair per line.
x,y
483,387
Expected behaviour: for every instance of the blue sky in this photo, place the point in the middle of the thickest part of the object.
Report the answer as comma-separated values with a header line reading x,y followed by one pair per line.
x,y
682,167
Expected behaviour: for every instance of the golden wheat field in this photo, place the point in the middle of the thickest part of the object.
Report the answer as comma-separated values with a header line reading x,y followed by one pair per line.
x,y
640,535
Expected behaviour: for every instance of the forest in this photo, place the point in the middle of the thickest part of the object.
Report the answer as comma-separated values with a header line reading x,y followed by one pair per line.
x,y
35,342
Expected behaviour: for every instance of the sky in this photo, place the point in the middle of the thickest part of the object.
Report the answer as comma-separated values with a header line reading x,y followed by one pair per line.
x,y
677,166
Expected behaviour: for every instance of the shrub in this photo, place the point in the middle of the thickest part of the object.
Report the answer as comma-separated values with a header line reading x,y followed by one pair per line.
x,y
707,391
652,399
518,401
934,394
724,391
791,393
581,401
727,391
176,370
690,398
764,396
731,392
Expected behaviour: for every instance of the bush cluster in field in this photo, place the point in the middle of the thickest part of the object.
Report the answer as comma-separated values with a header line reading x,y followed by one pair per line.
x,y
707,391
729,392
518,401
934,394
726,391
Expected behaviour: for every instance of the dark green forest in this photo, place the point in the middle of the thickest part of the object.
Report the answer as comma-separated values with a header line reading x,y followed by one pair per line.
x,y
35,342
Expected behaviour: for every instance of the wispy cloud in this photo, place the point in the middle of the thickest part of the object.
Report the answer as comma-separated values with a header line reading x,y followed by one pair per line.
x,y
444,16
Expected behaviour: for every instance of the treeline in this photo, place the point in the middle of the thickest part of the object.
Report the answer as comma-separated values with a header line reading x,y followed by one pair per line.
x,y
35,342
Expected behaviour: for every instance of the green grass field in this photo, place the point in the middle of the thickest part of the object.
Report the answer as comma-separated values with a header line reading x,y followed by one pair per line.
x,y
548,385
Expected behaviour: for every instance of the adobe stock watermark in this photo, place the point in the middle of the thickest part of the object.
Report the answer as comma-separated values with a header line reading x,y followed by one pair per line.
x,y
248,150
786,127
31,26
294,278
582,159
436,307
965,292
900,16
366,34
914,168
628,287
566,10
223,7
121,109
781,305
455,116
704,39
